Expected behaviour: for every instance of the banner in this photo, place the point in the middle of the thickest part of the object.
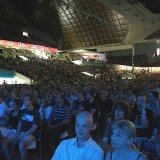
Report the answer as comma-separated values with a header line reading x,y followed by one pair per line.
x,y
19,45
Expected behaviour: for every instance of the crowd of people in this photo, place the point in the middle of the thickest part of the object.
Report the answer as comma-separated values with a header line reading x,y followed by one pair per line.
x,y
118,113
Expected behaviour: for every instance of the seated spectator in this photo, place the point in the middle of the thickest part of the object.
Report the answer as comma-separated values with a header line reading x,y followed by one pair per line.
x,y
77,105
105,109
7,97
45,113
122,140
9,132
58,122
4,112
153,96
156,130
81,147
45,110
27,130
90,104
14,113
13,96
36,99
131,98
121,111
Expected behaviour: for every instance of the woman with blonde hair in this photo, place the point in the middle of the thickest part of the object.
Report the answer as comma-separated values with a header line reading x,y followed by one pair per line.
x,y
121,111
122,139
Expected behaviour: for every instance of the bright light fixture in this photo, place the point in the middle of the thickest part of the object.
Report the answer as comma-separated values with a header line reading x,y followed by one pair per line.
x,y
158,51
25,34
24,58
78,62
80,50
88,74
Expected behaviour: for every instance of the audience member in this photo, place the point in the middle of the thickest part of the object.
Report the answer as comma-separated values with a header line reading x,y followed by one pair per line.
x,y
105,109
52,78
143,118
122,140
27,130
77,105
58,122
45,110
121,111
81,147
153,96
4,112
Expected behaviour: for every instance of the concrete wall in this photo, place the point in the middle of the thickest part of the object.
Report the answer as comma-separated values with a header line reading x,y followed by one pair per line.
x,y
129,68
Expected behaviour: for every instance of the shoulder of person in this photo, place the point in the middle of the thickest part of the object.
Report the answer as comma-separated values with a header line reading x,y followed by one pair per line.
x,y
143,157
139,155
67,142
97,150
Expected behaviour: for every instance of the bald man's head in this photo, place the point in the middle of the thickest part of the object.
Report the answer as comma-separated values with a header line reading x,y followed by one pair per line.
x,y
85,116
84,124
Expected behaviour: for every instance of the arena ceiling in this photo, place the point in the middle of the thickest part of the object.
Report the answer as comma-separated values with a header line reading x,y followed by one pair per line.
x,y
75,24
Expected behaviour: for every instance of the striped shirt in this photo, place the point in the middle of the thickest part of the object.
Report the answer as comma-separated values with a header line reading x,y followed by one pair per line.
x,y
60,113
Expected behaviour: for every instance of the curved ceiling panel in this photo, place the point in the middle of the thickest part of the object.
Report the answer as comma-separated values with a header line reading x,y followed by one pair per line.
x,y
75,23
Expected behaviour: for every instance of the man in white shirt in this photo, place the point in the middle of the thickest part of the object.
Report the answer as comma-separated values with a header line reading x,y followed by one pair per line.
x,y
82,147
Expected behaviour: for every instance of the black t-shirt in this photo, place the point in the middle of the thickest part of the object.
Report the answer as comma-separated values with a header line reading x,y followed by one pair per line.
x,y
136,119
89,106
14,120
105,107
28,119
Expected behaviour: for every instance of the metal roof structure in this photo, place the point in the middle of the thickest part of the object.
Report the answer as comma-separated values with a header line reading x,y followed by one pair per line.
x,y
76,24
